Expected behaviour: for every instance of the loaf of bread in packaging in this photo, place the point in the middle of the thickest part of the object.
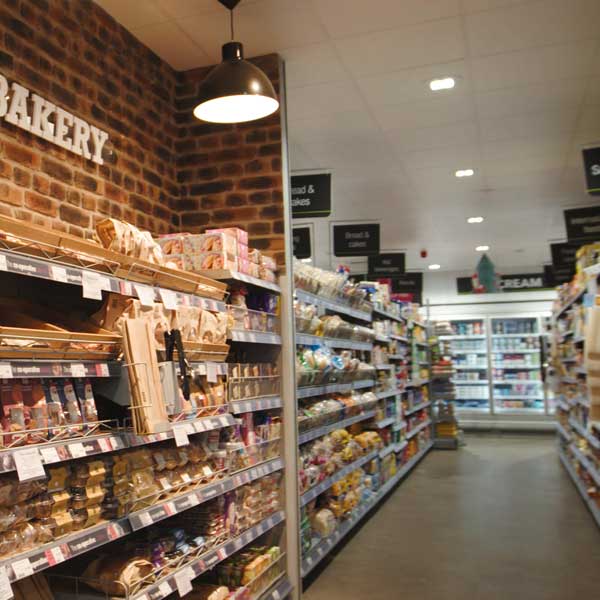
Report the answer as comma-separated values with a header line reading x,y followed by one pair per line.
x,y
213,328
128,240
116,574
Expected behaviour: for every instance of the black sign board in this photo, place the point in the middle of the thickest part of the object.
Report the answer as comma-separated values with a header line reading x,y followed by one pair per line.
x,y
583,224
356,240
301,239
591,162
311,196
523,282
387,265
464,285
409,283
563,260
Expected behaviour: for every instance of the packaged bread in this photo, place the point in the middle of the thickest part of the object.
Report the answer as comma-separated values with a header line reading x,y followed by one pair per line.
x,y
240,234
210,242
268,263
186,319
127,239
213,328
210,261
254,255
116,575
171,244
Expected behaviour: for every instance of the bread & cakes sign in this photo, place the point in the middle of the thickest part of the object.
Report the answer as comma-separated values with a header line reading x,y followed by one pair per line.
x,y
50,122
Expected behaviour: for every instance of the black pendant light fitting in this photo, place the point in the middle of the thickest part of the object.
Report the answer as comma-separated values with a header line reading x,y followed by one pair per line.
x,y
235,91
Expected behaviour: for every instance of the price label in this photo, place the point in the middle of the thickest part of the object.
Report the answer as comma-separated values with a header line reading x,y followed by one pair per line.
x,y
185,478
126,288
22,568
104,283
164,482
211,372
169,508
29,464
169,299
221,553
103,370
92,285
185,300
276,595
224,421
59,274
145,519
6,592
237,543
181,435
199,426
6,371
207,471
77,450
50,455
105,444
145,294
183,580
114,531
78,370
165,589
194,500
54,556
189,427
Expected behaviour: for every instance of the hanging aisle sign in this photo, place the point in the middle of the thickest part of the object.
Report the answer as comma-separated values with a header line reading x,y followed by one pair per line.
x,y
356,240
387,265
311,196
583,224
50,122
563,260
301,239
591,162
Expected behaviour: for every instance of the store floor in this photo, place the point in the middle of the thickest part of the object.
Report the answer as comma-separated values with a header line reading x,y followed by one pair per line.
x,y
498,519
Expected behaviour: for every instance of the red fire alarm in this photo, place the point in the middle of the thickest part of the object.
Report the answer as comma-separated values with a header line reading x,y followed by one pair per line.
x,y
423,253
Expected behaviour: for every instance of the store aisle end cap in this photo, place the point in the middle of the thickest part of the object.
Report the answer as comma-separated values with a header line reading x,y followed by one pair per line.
x,y
236,91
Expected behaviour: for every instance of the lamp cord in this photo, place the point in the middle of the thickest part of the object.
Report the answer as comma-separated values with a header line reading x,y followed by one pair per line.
x,y
231,23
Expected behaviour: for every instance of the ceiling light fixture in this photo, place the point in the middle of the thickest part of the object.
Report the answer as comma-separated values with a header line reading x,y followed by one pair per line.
x,y
434,267
436,85
236,91
475,220
465,173
482,248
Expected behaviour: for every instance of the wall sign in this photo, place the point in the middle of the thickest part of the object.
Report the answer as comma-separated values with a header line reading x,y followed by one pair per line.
x,y
301,239
583,224
387,265
311,196
356,240
522,282
591,163
563,260
50,122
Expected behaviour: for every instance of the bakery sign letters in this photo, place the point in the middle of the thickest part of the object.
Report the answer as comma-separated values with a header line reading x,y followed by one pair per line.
x,y
50,122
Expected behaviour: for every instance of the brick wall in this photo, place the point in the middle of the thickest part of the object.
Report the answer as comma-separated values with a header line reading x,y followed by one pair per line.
x,y
231,174
164,170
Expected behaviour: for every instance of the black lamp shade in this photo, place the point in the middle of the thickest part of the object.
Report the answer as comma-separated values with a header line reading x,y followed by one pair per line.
x,y
235,91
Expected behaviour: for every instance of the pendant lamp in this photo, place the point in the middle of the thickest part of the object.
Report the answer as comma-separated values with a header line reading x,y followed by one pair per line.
x,y
236,91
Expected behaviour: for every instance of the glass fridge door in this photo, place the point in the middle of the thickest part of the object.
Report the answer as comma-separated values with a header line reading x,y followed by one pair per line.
x,y
516,365
470,357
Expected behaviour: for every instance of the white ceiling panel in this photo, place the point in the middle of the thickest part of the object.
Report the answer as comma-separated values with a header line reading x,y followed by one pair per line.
x,y
535,65
527,98
351,17
310,65
538,23
403,47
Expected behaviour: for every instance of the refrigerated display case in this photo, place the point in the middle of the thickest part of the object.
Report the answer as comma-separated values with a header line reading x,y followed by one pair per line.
x,y
516,364
499,365
469,348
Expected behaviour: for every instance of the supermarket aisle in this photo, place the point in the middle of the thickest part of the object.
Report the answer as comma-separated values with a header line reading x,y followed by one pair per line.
x,y
498,519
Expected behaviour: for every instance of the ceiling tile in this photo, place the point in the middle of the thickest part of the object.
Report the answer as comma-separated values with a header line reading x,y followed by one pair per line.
x,y
426,113
347,127
402,48
537,126
314,64
133,14
456,134
264,26
537,65
179,9
185,55
553,95
532,24
352,17
471,6
413,84
450,158
323,99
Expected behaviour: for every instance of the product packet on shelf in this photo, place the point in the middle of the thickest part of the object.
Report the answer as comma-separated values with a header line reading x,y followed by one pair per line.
x,y
254,255
221,242
209,261
171,244
268,263
239,234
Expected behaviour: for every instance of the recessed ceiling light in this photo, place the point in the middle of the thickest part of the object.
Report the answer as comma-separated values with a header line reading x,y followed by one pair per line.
x,y
434,267
465,173
306,260
482,248
475,220
447,83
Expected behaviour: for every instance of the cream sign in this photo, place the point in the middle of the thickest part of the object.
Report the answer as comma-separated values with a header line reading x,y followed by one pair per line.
x,y
50,122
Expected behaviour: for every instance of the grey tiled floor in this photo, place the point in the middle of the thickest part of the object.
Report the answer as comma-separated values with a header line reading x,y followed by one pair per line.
x,y
497,520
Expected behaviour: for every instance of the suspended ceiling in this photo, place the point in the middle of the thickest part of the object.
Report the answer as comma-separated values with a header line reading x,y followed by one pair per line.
x,y
527,99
